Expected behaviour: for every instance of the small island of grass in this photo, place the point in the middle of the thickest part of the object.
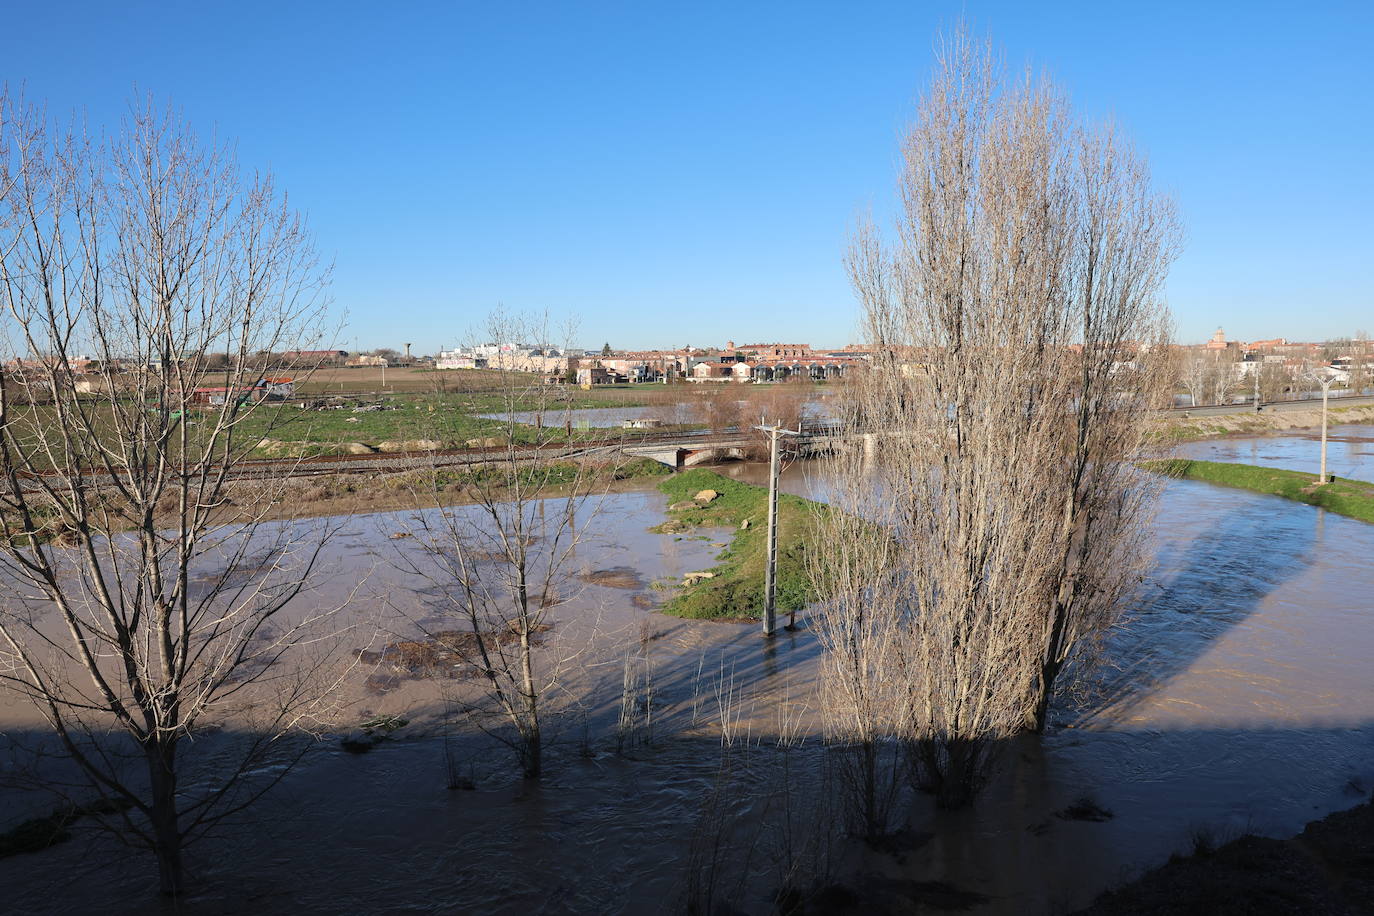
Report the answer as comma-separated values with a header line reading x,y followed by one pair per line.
x,y
736,587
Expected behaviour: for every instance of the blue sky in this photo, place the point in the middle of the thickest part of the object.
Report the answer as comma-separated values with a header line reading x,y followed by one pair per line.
x,y
688,173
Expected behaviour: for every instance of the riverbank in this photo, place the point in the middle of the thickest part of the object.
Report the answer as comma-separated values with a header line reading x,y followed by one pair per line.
x,y
334,495
1352,498
355,494
1268,422
1328,868
734,588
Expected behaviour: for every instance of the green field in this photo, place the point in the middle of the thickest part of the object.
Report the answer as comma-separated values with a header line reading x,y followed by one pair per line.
x,y
422,409
737,589
1353,498
449,419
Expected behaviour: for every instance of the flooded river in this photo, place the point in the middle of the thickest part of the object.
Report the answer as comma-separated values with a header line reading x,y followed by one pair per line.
x,y
1349,451
1240,697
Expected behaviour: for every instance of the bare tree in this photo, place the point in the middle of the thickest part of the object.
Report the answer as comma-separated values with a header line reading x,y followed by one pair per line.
x,y
1225,377
1275,381
859,619
141,277
1195,374
1211,376
1019,348
504,562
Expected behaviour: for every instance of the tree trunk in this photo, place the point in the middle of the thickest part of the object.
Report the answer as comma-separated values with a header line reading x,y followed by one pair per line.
x,y
958,782
875,824
534,750
163,814
1042,703
534,754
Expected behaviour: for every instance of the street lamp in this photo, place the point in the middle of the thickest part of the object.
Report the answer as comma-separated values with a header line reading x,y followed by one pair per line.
x,y
1323,378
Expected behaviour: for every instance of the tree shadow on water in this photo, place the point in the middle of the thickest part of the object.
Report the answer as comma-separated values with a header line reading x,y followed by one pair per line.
x,y
1196,591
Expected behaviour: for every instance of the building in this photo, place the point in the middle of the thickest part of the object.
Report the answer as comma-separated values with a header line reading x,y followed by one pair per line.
x,y
642,366
508,356
587,376
314,357
278,389
265,389
715,372
771,350
1219,342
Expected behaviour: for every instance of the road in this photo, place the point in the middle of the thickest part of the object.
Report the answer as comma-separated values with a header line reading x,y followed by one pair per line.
x,y
1276,406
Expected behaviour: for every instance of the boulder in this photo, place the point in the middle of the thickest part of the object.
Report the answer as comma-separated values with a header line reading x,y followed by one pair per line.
x,y
744,524
692,578
410,445
359,448
685,504
489,442
705,496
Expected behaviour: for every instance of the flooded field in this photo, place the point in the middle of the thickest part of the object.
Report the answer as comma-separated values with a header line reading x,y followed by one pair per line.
x,y
686,412
1239,697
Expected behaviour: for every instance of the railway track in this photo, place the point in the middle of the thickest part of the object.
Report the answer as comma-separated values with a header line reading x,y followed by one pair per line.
x,y
394,462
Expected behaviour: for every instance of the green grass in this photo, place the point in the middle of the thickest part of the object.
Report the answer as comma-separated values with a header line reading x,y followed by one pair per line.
x,y
1353,498
552,475
737,589
447,414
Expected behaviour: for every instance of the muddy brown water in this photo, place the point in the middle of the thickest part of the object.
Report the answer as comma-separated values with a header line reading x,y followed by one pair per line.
x,y
1240,697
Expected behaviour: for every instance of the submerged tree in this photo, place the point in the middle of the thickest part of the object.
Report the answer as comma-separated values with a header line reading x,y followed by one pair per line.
x,y
503,561
141,279
1019,348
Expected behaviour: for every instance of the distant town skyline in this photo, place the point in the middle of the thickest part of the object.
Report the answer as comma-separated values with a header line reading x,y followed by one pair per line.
x,y
664,173
729,345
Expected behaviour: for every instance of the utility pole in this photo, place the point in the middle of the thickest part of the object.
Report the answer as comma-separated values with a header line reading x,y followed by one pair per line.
x,y
1324,379
771,564
1326,388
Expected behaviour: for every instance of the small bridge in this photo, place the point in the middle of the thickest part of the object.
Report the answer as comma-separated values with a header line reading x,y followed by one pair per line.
x,y
816,436
690,454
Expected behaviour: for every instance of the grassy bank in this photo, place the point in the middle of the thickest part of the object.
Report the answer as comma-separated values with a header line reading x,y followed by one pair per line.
x,y
1328,868
737,587
1354,498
